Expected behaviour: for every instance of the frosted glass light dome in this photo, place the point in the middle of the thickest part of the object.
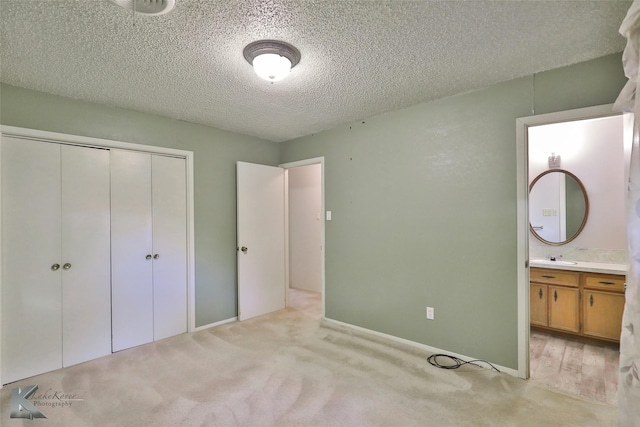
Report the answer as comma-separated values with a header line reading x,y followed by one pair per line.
x,y
271,66
272,60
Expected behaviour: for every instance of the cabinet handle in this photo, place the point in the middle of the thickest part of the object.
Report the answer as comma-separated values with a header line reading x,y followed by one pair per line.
x,y
55,267
66,266
548,277
540,293
607,283
148,256
156,256
591,300
555,295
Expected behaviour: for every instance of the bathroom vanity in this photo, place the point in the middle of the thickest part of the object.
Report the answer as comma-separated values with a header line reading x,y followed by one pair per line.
x,y
584,299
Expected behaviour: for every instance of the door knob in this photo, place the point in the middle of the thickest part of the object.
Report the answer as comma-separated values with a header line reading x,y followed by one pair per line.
x,y
148,256
55,267
244,249
66,266
156,256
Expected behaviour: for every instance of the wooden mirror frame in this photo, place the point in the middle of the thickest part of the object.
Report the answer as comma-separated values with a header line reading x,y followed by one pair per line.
x,y
586,207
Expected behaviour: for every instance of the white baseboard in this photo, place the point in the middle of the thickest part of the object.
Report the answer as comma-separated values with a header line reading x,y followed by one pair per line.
x,y
510,371
213,325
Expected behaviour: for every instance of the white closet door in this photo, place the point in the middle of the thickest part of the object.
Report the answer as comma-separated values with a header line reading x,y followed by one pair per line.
x,y
169,200
131,244
86,284
31,303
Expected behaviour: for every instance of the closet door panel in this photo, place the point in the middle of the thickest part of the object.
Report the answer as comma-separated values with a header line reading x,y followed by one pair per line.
x,y
169,196
131,243
86,285
31,304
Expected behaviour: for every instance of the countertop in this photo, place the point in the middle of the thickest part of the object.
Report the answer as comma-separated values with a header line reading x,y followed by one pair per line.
x,y
590,267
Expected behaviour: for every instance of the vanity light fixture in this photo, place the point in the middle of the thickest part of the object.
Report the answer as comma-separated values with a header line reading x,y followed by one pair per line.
x,y
272,60
554,161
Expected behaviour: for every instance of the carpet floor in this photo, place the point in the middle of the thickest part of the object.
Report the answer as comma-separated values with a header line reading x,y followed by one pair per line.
x,y
291,369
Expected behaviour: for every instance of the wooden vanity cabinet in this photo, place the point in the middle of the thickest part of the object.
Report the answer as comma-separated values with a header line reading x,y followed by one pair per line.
x,y
554,299
555,302
602,306
539,304
564,308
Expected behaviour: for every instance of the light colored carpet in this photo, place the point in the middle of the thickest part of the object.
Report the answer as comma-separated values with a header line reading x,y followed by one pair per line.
x,y
290,369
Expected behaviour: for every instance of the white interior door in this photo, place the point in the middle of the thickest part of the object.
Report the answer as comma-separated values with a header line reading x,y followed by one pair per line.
x,y
261,234
131,245
31,289
169,201
86,246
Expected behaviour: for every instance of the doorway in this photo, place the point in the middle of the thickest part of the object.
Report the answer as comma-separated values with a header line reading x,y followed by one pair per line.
x,y
304,188
263,244
538,137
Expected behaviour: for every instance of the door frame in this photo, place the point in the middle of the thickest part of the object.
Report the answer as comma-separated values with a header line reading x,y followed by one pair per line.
x,y
85,141
286,166
522,256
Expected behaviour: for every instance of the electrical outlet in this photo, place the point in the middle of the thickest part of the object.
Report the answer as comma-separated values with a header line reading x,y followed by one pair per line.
x,y
430,314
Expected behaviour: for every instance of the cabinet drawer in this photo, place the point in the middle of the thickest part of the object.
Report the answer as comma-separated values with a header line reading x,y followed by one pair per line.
x,y
604,282
555,277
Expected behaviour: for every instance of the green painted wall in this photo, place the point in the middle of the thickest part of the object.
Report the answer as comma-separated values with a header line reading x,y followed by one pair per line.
x,y
424,210
423,201
216,152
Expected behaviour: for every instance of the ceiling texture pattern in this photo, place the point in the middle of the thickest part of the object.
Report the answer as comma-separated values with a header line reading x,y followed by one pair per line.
x,y
359,58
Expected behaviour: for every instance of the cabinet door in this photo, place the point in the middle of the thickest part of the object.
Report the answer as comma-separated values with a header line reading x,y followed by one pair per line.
x,y
603,314
564,308
131,243
31,289
169,203
86,284
538,304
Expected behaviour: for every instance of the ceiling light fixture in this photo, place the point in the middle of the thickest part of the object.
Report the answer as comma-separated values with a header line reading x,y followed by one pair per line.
x,y
272,60
147,7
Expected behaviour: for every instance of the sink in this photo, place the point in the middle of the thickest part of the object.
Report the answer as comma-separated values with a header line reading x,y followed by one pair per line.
x,y
549,262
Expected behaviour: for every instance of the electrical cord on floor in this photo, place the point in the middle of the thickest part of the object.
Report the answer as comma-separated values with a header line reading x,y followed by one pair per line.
x,y
457,362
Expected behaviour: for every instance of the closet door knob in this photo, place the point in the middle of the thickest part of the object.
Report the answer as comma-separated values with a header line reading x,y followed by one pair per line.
x,y
55,267
66,266
156,256
148,256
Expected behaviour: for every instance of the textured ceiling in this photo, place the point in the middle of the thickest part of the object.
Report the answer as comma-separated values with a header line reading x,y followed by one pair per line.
x,y
359,58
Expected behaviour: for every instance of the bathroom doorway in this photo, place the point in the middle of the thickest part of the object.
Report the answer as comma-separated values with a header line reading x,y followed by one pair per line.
x,y
572,364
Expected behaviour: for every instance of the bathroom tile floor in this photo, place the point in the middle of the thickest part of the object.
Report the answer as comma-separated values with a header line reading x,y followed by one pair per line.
x,y
587,369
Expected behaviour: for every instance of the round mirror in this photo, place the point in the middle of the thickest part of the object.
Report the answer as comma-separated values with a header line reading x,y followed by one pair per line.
x,y
558,207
